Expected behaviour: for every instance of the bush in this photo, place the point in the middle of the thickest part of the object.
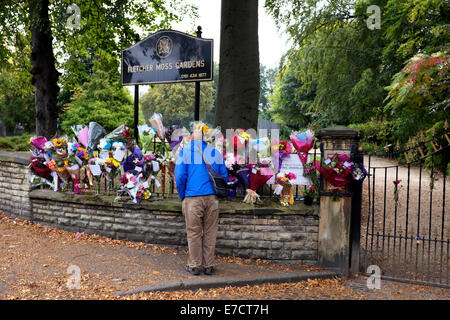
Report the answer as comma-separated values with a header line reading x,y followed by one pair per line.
x,y
376,134
16,143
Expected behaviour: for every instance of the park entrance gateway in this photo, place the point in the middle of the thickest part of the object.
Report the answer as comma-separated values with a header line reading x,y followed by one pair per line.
x,y
168,56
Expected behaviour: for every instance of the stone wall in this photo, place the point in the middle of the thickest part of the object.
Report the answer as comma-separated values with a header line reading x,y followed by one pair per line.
x,y
14,184
275,233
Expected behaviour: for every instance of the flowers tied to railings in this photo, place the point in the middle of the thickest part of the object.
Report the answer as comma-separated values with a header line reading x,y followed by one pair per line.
x,y
433,178
397,188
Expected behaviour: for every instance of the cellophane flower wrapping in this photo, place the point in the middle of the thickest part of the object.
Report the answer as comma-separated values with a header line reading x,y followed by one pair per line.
x,y
337,170
157,123
83,136
134,160
146,139
303,142
96,132
38,142
258,177
39,167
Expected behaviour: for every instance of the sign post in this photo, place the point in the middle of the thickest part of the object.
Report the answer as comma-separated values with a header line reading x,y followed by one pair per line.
x,y
167,56
136,106
197,87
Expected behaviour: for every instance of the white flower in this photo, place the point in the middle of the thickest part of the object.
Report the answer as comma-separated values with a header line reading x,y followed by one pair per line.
x,y
102,144
117,145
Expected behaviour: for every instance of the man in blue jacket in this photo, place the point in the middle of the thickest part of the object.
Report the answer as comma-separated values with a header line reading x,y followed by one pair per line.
x,y
200,205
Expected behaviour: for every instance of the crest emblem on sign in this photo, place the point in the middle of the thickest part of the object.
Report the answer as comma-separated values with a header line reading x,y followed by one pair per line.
x,y
164,46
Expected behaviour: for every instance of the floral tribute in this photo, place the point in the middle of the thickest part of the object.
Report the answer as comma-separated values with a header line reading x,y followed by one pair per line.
x,y
81,159
284,188
303,142
90,153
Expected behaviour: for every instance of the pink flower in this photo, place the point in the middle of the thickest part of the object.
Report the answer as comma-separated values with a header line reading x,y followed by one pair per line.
x,y
396,181
291,176
77,235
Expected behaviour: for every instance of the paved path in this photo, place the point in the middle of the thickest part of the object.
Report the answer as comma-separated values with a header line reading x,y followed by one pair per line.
x,y
34,262
37,257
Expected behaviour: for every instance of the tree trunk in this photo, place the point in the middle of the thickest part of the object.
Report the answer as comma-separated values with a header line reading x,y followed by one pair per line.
x,y
45,75
238,92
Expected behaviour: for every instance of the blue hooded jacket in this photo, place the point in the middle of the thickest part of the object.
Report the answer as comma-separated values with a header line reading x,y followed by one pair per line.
x,y
191,175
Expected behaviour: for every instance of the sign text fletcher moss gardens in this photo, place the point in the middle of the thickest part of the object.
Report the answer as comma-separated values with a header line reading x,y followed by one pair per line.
x,y
168,56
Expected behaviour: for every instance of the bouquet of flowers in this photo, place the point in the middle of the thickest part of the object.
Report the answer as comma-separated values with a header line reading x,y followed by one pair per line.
x,y
146,139
112,168
134,187
280,150
284,188
96,131
121,134
337,170
303,142
39,166
236,142
258,177
157,124
359,172
134,163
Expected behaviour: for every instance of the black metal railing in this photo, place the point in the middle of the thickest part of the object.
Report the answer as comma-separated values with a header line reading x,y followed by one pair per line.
x,y
167,188
405,228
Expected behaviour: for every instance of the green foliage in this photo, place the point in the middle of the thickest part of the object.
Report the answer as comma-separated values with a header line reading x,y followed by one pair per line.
x,y
339,70
418,94
100,100
105,26
290,101
267,81
412,27
16,91
175,102
16,143
109,25
378,132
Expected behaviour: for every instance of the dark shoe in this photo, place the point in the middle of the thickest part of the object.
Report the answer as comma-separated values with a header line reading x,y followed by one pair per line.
x,y
209,271
195,271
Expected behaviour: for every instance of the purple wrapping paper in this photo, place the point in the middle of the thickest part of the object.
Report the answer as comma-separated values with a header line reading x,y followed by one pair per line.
x,y
243,176
129,164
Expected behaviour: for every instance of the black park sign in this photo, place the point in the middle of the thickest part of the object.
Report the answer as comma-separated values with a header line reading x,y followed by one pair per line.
x,y
168,56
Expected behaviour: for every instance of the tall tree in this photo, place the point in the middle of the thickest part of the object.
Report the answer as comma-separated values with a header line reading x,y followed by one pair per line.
x,y
238,92
105,25
45,76
101,99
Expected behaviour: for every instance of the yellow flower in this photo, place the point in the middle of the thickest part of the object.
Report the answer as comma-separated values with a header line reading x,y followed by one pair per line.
x,y
206,129
58,142
146,194
112,161
244,135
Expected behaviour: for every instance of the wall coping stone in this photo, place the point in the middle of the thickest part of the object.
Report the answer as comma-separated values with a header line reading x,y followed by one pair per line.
x,y
15,157
338,132
174,205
